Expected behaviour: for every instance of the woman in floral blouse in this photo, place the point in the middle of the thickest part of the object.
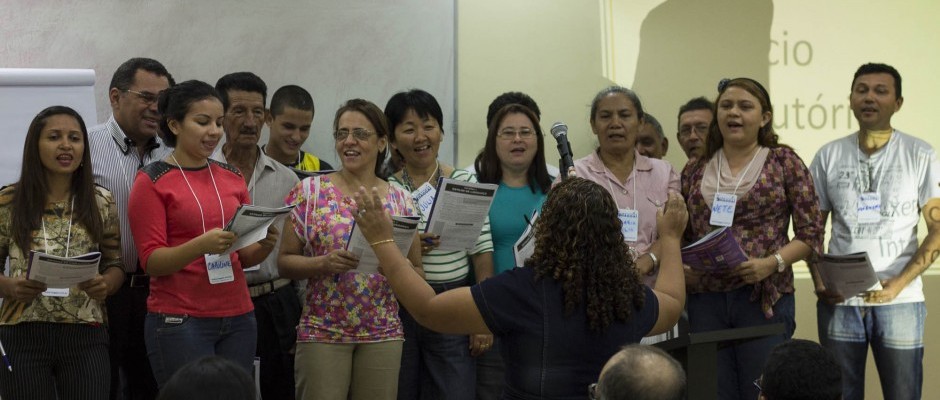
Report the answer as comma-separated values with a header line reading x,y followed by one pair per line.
x,y
753,185
349,337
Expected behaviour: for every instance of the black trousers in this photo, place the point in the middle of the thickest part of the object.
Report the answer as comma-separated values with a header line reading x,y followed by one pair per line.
x,y
131,376
277,314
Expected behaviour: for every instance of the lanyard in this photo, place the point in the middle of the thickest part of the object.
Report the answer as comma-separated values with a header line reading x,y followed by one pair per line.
x,y
858,165
635,177
743,174
68,237
198,203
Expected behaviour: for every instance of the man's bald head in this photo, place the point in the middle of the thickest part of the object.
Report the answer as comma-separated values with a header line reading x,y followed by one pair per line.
x,y
641,372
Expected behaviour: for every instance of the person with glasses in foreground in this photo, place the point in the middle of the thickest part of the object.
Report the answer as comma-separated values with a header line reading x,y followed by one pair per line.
x,y
574,304
349,341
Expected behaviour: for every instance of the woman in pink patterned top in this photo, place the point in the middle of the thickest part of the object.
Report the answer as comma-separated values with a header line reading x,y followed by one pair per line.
x,y
753,185
349,337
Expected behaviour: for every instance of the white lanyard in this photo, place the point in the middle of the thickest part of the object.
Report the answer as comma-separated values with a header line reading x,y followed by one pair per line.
x,y
198,203
718,172
68,237
858,166
635,177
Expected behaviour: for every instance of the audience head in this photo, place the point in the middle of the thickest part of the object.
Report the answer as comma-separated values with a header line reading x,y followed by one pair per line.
x,y
650,140
415,122
514,142
360,132
640,372
875,96
56,147
243,97
695,117
209,378
578,243
508,98
135,87
743,114
800,370
616,116
185,108
289,120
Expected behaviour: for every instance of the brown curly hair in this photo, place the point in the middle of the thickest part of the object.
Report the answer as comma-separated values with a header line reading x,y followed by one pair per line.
x,y
579,244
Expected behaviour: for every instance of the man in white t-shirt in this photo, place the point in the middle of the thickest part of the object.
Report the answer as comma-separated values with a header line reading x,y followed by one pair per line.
x,y
875,183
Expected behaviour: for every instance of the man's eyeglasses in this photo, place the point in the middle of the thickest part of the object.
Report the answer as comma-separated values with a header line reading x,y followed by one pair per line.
x,y
757,383
592,391
687,130
147,98
510,134
358,134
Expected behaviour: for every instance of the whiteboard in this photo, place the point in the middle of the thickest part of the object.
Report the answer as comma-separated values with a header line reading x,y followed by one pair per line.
x,y
337,50
26,92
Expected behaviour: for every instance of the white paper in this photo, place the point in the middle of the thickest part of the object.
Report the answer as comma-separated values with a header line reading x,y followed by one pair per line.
x,y
62,272
723,209
459,211
404,230
869,208
525,246
629,224
848,275
251,224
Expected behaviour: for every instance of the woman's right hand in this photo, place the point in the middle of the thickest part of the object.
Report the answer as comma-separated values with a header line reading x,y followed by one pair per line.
x,y
338,261
22,290
673,217
215,241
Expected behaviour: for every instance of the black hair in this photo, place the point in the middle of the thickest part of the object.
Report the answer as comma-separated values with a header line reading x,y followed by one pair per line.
x,y
508,98
878,68
209,378
698,103
800,369
244,81
611,90
175,101
375,117
292,96
649,119
123,77
417,100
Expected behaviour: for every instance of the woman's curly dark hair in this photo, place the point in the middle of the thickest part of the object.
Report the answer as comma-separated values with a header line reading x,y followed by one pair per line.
x,y
579,244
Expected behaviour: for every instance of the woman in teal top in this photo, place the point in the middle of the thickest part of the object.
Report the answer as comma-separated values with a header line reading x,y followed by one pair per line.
x,y
513,157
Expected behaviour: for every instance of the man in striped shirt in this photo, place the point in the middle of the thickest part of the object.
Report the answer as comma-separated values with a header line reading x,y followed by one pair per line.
x,y
120,146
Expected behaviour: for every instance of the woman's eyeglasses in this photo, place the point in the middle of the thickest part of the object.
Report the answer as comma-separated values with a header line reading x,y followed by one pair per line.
x,y
510,134
358,134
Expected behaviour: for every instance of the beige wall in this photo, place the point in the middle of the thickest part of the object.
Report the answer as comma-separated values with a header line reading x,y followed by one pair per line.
x,y
562,52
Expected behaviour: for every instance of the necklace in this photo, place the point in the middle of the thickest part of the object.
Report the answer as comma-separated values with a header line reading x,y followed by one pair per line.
x,y
409,183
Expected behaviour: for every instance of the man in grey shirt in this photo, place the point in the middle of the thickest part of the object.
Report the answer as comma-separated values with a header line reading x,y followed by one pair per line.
x,y
277,308
120,146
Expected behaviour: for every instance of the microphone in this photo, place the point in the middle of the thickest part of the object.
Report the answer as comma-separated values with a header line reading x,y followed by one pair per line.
x,y
560,133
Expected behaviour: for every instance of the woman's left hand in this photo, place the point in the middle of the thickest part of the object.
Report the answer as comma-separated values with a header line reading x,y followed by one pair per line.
x,y
755,270
96,288
371,218
479,344
270,240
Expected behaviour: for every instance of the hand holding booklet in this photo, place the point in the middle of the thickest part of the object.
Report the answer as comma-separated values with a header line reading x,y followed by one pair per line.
x,y
251,224
848,275
458,212
718,251
403,232
62,272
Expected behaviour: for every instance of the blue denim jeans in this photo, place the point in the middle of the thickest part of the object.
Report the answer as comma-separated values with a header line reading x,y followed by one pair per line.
x,y
435,365
741,363
896,335
173,341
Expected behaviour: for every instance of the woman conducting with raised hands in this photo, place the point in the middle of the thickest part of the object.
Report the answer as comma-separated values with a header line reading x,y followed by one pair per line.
x,y
758,186
577,301
199,303
349,340
56,344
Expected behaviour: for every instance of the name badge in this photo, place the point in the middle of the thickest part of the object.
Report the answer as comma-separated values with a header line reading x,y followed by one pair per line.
x,y
220,268
630,224
56,292
424,198
869,208
723,209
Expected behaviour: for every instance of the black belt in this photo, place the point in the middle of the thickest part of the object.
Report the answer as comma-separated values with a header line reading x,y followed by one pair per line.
x,y
137,280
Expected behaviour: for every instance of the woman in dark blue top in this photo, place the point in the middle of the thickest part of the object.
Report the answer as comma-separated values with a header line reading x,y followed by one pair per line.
x,y
576,302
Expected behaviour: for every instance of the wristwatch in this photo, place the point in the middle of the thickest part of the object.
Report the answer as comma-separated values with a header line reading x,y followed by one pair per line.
x,y
781,265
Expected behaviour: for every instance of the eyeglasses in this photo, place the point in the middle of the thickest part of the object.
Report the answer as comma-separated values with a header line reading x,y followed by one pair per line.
x,y
757,383
592,391
359,134
687,130
147,98
510,134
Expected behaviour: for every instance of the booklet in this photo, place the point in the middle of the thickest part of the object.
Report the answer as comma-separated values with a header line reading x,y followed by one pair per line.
x,y
718,251
62,272
404,230
848,275
458,212
251,224
525,246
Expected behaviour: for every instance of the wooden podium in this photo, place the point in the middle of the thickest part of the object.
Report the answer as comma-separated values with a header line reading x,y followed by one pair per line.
x,y
698,354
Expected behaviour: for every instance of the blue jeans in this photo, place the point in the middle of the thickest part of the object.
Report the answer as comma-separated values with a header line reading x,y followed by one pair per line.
x,y
741,363
435,365
174,340
896,335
